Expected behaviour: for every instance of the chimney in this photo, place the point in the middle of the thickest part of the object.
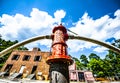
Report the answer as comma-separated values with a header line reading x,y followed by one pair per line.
x,y
36,49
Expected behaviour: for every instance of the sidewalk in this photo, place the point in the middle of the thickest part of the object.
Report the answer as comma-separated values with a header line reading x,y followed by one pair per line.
x,y
37,81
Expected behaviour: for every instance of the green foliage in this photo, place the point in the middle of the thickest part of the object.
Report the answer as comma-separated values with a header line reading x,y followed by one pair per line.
x,y
22,48
97,67
5,44
84,59
114,60
78,64
109,66
84,62
92,55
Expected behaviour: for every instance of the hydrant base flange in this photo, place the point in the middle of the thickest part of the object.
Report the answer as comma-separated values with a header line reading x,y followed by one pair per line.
x,y
68,61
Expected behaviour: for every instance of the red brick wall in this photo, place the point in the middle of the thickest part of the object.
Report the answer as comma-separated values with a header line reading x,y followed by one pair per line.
x,y
41,65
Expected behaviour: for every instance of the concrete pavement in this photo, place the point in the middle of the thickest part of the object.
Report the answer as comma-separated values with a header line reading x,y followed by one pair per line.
x,y
37,81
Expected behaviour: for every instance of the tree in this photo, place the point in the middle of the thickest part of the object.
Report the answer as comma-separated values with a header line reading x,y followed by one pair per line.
x,y
5,44
22,48
78,64
97,67
109,66
84,61
92,55
114,60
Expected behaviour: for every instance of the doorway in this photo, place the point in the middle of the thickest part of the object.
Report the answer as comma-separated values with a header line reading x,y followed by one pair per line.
x,y
22,68
8,67
34,69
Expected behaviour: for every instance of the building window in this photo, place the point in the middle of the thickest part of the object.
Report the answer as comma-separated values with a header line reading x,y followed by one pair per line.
x,y
15,57
37,58
26,57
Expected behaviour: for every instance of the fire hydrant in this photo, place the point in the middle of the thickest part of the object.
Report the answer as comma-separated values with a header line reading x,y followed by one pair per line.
x,y
59,60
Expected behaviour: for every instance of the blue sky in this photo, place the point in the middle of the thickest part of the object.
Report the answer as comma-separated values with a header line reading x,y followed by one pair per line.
x,y
98,19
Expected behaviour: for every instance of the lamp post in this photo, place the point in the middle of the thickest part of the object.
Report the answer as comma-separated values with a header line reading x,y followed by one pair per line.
x,y
59,60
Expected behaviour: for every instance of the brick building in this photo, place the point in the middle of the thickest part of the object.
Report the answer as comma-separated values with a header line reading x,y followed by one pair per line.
x,y
31,64
80,75
27,63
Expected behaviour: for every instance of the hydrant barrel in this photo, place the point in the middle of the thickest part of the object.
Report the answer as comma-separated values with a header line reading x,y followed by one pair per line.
x,y
59,60
59,46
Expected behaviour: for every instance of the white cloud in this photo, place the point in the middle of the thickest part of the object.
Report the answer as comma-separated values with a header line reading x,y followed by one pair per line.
x,y
100,49
101,29
117,35
20,27
39,23
46,43
31,45
117,14
59,14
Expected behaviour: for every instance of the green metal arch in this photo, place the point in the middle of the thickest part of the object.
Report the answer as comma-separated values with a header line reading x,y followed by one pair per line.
x,y
113,48
9,49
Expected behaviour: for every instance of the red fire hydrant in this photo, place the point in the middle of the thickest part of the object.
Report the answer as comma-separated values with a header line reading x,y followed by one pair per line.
x,y
59,60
